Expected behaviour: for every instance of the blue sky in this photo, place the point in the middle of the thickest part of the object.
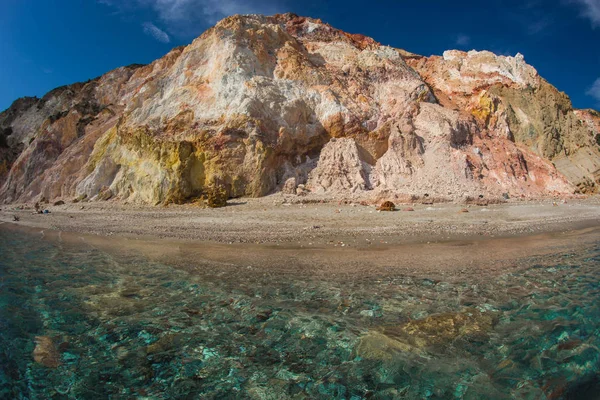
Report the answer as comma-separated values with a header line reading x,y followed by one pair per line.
x,y
49,43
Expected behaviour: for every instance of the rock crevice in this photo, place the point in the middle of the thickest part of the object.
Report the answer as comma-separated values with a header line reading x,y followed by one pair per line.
x,y
262,104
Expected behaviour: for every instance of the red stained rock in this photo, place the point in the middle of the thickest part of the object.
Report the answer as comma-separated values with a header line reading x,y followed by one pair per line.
x,y
255,103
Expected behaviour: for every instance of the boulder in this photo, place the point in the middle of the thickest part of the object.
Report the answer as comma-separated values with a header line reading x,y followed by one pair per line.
x,y
387,206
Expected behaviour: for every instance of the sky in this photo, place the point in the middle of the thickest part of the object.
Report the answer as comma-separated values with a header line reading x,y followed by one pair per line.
x,y
50,43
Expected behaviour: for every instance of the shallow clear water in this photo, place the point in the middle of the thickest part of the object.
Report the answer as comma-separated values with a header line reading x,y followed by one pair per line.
x,y
122,326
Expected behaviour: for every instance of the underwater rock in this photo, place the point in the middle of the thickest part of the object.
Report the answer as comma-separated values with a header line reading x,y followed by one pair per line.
x,y
377,346
413,336
445,328
164,344
154,331
45,352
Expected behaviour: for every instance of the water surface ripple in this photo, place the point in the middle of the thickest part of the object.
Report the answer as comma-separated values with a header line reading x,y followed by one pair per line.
x,y
77,322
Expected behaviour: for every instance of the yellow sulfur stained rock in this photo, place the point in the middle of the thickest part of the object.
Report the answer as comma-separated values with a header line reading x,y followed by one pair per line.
x,y
258,100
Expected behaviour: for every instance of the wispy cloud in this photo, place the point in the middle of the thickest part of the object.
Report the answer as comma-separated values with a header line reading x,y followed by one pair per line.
x,y
184,15
594,91
463,40
190,17
157,33
534,18
539,26
591,10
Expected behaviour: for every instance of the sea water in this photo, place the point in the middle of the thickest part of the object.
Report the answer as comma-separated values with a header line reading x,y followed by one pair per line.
x,y
78,322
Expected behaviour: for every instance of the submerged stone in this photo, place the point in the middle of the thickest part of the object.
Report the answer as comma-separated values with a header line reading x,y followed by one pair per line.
x,y
445,328
377,346
45,352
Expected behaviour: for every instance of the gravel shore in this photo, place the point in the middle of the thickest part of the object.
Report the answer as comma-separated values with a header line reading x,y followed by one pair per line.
x,y
332,237
275,219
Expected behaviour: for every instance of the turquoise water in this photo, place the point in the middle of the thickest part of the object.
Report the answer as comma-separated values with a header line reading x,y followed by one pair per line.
x,y
125,327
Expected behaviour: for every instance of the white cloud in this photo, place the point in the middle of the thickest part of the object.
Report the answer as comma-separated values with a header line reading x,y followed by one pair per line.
x,y
594,91
591,10
155,32
463,40
184,15
539,26
190,17
181,10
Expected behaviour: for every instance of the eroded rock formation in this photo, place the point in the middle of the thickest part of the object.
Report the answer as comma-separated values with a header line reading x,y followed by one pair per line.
x,y
263,104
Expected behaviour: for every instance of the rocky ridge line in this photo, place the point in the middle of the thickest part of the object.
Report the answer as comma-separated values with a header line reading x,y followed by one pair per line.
x,y
260,104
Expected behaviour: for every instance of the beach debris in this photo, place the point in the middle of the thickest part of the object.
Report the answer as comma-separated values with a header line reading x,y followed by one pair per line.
x,y
15,218
59,203
45,352
464,210
408,209
46,211
387,206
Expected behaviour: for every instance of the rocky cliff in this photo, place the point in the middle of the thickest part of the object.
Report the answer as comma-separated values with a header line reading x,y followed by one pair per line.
x,y
261,104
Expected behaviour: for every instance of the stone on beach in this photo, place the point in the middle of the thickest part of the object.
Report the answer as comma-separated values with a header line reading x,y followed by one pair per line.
x,y
387,206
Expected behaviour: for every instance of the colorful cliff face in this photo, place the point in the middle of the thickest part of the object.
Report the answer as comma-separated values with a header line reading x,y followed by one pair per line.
x,y
262,104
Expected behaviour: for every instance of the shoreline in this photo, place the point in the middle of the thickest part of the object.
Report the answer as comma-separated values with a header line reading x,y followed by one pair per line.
x,y
272,220
456,245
